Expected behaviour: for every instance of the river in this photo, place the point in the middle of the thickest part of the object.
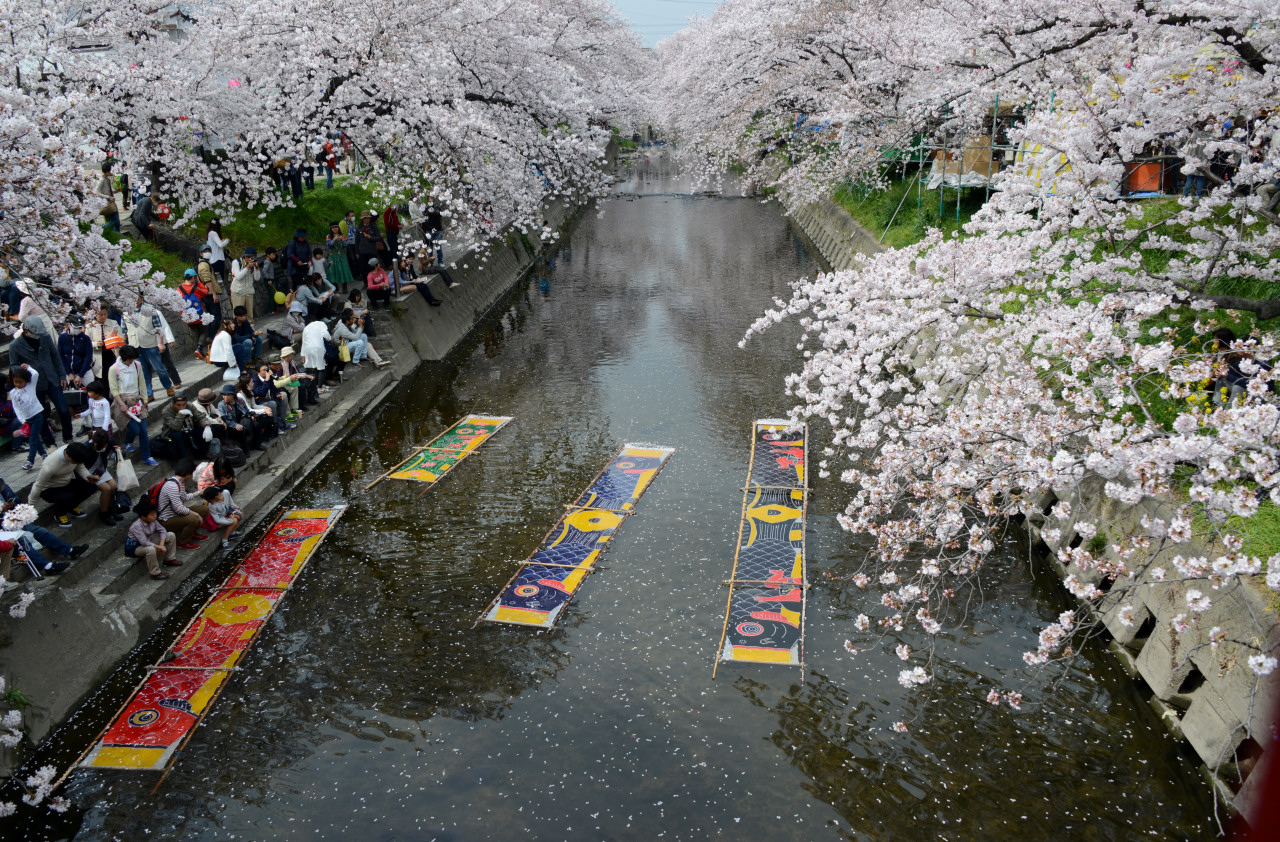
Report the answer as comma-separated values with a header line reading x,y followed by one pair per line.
x,y
372,708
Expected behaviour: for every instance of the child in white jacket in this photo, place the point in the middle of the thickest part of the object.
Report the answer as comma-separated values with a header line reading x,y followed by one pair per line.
x,y
27,409
98,415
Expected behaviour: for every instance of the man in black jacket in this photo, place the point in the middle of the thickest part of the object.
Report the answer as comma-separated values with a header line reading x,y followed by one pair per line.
x,y
143,215
33,348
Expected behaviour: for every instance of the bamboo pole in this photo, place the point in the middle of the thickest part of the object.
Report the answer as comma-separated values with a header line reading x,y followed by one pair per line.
x,y
804,550
558,525
505,421
401,465
742,525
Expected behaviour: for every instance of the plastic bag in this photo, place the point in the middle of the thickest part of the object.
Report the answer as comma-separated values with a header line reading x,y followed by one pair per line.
x,y
126,477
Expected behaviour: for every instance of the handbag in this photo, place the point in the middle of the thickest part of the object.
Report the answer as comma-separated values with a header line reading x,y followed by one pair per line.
x,y
344,353
126,476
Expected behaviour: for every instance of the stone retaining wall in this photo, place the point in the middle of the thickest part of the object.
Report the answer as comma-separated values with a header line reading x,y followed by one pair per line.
x,y
1205,695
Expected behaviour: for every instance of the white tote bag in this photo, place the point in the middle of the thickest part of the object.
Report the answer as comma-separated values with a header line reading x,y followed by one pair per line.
x,y
126,477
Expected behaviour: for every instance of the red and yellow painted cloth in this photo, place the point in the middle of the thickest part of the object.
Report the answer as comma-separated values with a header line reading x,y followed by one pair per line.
x,y
154,724
765,620
549,578
450,447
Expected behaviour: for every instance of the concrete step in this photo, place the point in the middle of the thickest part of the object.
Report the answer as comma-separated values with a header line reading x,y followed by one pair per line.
x,y
107,574
103,569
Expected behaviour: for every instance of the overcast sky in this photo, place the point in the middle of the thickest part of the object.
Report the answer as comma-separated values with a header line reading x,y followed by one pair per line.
x,y
656,19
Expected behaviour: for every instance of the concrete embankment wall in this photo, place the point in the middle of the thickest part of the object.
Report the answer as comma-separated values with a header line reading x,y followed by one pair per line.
x,y
1204,694
84,623
834,234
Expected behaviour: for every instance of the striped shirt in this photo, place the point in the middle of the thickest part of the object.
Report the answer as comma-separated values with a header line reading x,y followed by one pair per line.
x,y
173,498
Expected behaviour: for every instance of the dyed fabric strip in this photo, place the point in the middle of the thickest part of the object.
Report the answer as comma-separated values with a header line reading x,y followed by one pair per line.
x,y
764,620
446,450
545,583
166,708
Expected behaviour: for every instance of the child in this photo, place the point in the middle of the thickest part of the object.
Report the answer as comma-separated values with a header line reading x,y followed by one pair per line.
x,y
27,409
319,265
224,512
269,278
98,415
147,538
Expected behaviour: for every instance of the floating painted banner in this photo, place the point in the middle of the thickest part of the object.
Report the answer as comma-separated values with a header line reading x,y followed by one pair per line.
x,y
545,583
171,701
764,620
438,457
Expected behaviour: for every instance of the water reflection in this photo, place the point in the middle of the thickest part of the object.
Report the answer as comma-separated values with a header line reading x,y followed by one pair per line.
x,y
372,708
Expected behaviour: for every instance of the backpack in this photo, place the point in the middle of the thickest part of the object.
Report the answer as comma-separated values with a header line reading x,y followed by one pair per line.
x,y
234,455
153,493
196,306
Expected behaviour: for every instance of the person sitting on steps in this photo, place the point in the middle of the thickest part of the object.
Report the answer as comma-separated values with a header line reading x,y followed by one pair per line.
x,y
148,538
172,499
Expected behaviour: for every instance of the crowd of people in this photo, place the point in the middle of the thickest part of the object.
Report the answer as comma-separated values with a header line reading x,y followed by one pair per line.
x,y
106,362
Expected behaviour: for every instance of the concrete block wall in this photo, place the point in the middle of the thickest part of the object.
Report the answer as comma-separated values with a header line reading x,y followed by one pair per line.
x,y
1206,695
835,234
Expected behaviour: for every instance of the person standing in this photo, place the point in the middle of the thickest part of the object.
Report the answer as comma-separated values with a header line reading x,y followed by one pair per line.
x,y
369,244
339,268
129,413
245,276
217,248
207,276
313,352
146,334
100,329
144,216
330,157
32,348
76,351
391,224
348,226
27,410
433,223
107,190
166,355
30,305
297,257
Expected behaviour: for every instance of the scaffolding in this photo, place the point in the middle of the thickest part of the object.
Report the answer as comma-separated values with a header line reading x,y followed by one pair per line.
x,y
973,159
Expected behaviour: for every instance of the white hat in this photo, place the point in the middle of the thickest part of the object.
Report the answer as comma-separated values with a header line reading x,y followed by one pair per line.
x,y
286,351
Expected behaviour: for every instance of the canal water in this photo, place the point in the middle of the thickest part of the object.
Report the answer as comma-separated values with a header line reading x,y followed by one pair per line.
x,y
372,707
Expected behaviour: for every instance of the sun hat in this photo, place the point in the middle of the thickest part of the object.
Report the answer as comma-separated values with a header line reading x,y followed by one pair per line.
x,y
286,351
228,389
205,396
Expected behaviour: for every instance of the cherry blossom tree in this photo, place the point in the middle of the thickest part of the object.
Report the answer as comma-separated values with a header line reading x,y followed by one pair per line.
x,y
1059,345
490,109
